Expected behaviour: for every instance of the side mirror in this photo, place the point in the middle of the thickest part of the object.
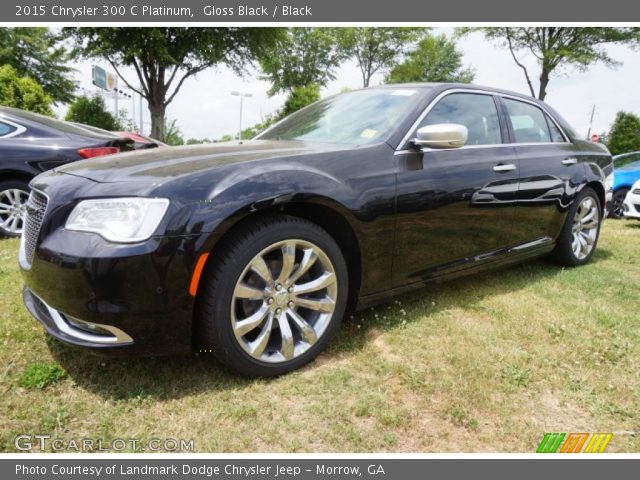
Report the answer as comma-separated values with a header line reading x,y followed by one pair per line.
x,y
442,135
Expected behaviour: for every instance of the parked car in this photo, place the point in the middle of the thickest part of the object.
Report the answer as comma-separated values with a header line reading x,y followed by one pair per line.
x,y
32,143
631,204
254,251
141,141
626,172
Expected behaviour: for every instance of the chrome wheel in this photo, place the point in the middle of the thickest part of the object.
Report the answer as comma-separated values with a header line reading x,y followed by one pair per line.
x,y
283,301
585,228
13,206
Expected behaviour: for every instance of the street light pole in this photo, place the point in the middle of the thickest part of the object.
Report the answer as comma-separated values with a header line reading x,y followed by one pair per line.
x,y
242,96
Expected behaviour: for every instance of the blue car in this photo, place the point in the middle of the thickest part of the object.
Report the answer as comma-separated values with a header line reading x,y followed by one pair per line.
x,y
626,170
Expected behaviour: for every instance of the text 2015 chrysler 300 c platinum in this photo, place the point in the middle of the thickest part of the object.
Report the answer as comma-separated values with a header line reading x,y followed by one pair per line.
x,y
254,251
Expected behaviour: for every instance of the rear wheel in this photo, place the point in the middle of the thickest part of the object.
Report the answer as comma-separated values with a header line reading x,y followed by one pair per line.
x,y
577,241
13,204
617,203
273,297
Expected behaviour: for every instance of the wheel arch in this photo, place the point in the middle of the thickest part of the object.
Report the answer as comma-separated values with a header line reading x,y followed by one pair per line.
x,y
321,211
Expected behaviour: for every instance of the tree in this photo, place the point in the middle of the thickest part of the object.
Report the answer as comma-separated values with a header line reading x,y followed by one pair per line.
x,y
301,57
555,48
164,57
625,134
300,97
92,111
36,53
172,133
435,59
376,48
23,92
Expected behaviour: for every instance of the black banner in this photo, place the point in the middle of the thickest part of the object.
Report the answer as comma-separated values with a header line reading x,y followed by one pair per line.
x,y
305,11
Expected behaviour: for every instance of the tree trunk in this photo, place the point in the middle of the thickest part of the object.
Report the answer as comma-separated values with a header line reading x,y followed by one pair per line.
x,y
544,81
157,111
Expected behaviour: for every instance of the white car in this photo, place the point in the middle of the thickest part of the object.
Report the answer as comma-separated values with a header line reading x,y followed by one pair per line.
x,y
632,202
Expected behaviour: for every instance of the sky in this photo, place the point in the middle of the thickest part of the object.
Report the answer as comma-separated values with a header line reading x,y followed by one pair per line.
x,y
205,108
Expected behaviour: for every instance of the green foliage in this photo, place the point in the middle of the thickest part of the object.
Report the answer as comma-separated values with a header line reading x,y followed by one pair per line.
x,y
172,133
300,97
226,138
376,48
23,92
92,111
164,57
39,375
36,53
301,57
435,59
625,134
197,141
558,48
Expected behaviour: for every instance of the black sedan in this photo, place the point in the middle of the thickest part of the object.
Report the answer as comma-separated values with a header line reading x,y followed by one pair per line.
x,y
254,251
32,143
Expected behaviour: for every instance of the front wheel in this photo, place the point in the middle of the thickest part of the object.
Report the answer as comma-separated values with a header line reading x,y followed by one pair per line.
x,y
577,241
273,296
13,204
617,203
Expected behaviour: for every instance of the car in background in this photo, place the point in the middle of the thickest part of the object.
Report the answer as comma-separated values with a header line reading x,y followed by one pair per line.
x,y
141,141
626,168
631,204
31,144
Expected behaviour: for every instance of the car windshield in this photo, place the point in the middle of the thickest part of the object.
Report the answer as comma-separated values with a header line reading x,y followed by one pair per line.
x,y
354,118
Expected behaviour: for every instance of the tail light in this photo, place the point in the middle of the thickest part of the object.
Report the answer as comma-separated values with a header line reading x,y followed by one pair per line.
x,y
97,151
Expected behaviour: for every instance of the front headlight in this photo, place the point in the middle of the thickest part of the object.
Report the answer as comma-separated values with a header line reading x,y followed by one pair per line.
x,y
122,220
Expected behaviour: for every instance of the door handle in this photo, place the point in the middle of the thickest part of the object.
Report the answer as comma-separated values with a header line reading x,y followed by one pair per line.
x,y
504,167
570,161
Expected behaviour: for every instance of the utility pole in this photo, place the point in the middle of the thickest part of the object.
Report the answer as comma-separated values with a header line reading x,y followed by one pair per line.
x,y
593,111
242,96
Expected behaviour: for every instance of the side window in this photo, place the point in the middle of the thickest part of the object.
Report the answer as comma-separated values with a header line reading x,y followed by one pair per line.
x,y
475,111
530,124
6,129
556,134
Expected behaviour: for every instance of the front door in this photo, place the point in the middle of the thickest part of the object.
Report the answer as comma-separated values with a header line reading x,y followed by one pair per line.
x,y
456,206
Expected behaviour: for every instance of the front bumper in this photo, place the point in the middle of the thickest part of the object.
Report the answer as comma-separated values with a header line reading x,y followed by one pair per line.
x,y
116,300
69,329
632,205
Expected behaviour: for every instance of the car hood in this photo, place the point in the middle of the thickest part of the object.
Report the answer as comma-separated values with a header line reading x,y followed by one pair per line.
x,y
163,164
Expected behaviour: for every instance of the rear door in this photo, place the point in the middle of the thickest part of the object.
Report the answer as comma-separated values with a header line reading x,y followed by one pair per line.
x,y
550,170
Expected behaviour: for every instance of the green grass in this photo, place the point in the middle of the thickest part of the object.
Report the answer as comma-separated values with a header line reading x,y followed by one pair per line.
x,y
486,363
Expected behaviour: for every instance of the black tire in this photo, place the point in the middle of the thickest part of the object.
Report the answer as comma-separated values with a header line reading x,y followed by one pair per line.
x,y
7,186
213,318
617,209
564,252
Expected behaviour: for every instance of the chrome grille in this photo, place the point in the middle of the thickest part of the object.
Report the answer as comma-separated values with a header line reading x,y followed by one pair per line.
x,y
36,208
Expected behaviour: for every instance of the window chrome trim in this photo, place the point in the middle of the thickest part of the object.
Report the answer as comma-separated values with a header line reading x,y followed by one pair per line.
x,y
18,128
441,95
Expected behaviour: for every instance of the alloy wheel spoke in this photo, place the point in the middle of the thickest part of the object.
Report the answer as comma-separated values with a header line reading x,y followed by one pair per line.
x,y
243,327
323,281
258,346
323,305
243,290
260,267
287,348
309,257
307,332
288,261
587,238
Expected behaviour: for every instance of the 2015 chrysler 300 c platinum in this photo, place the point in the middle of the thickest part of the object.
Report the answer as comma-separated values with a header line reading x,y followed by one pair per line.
x,y
254,251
